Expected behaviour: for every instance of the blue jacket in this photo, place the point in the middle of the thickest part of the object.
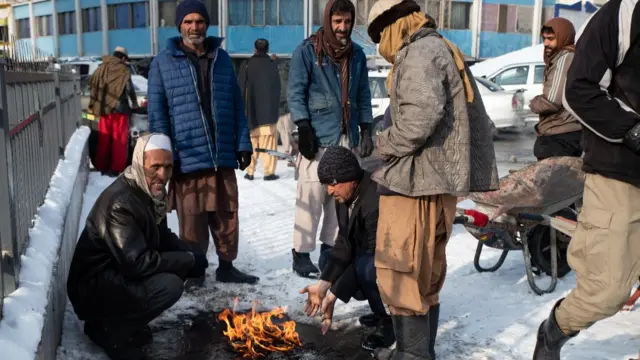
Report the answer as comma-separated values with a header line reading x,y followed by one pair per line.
x,y
174,108
314,93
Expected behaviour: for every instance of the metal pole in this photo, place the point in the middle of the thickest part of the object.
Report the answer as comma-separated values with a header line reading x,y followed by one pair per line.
x,y
10,254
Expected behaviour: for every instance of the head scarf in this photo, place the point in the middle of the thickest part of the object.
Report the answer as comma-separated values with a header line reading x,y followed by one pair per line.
x,y
135,173
565,36
326,43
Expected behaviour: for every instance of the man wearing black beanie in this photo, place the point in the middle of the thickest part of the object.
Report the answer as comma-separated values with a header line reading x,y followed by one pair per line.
x,y
350,271
209,133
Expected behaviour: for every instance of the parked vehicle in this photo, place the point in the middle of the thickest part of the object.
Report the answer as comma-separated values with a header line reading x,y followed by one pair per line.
x,y
379,99
504,107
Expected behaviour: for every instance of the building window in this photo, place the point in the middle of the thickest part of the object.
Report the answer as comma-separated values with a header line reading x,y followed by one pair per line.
x,y
129,16
4,33
44,25
363,7
265,12
524,19
459,13
24,30
66,23
318,11
167,13
91,20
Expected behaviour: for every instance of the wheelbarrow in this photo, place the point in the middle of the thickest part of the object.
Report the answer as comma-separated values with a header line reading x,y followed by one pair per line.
x,y
535,211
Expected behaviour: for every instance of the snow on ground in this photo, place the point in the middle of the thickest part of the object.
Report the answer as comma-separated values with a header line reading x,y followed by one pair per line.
x,y
483,316
23,311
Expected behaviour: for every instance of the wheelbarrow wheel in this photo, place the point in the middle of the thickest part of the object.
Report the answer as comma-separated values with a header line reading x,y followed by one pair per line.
x,y
540,249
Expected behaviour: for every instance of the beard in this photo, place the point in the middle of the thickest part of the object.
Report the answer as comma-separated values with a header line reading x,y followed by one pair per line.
x,y
194,41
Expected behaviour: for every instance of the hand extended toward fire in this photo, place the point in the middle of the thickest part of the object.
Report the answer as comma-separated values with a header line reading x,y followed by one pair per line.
x,y
316,293
328,305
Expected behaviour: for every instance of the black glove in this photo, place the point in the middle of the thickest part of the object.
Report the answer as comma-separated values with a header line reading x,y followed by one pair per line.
x,y
366,143
307,144
201,263
244,159
632,139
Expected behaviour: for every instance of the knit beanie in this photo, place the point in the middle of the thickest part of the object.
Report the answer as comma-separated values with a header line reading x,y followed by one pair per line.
x,y
187,7
385,12
338,165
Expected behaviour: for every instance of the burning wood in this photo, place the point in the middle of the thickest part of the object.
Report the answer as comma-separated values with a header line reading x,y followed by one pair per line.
x,y
254,335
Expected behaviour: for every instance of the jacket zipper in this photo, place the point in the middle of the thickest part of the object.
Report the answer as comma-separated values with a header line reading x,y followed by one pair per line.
x,y
213,94
204,119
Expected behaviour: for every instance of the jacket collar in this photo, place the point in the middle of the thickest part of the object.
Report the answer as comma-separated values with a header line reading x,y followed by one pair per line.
x,y
362,188
173,44
422,32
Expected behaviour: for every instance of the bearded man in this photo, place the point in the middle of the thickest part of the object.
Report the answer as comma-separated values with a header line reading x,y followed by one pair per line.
x,y
330,102
558,132
194,98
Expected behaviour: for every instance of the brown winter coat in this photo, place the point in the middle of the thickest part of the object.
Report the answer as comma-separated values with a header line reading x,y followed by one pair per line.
x,y
437,143
107,85
554,118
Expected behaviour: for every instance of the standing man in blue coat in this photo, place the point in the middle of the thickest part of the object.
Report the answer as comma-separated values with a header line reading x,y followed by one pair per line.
x,y
194,98
330,102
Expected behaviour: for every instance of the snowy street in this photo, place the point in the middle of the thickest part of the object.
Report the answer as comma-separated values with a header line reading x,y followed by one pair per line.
x,y
483,316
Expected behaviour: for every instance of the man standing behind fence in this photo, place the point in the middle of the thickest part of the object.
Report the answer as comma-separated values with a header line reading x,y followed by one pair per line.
x,y
111,88
260,84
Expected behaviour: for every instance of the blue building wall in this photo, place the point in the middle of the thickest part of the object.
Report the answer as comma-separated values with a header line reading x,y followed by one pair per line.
x,y
136,41
68,45
46,44
42,8
65,5
92,43
21,12
282,39
462,38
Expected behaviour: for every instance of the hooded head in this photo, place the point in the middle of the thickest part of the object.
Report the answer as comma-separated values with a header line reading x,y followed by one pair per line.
x,y
192,20
557,34
339,16
151,168
261,46
340,170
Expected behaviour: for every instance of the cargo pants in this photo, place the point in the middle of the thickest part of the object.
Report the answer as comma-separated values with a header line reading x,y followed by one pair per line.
x,y
410,256
604,252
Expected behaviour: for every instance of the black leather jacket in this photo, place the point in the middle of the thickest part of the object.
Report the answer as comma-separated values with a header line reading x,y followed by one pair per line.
x,y
121,244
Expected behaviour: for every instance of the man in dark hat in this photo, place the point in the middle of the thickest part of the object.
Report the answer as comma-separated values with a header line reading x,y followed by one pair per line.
x,y
350,271
330,102
209,133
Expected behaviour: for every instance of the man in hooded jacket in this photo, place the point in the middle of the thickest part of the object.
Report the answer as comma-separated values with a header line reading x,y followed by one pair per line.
x,y
128,267
437,147
558,131
330,102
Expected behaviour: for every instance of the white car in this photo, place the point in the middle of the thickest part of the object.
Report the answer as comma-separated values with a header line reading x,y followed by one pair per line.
x,y
504,107
379,99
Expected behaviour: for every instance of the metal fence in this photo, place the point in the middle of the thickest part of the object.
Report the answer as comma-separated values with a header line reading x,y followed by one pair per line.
x,y
39,111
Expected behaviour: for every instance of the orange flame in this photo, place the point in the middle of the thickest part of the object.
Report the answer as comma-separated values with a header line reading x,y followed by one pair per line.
x,y
254,332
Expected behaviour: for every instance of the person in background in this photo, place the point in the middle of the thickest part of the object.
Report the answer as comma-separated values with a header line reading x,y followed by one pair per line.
x,y
350,271
330,101
603,93
110,89
438,146
285,129
260,84
558,132
194,98
128,267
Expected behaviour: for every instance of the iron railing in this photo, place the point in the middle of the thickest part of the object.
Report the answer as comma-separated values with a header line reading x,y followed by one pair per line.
x,y
39,111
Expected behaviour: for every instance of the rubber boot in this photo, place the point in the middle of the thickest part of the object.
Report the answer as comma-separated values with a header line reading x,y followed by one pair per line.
x,y
550,338
302,264
434,318
412,337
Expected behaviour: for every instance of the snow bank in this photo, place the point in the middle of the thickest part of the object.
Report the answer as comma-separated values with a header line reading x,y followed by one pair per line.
x,y
24,309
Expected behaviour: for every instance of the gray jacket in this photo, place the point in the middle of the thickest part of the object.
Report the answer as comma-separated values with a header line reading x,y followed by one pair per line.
x,y
437,143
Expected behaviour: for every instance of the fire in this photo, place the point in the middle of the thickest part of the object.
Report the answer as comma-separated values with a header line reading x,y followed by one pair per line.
x,y
254,335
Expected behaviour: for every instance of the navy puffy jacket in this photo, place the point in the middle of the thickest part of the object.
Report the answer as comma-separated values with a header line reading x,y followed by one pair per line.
x,y
174,109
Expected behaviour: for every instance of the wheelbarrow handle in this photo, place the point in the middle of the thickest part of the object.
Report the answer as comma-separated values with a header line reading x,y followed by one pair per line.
x,y
473,217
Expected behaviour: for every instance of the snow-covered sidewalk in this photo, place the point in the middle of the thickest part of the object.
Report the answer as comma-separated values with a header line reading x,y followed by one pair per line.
x,y
483,316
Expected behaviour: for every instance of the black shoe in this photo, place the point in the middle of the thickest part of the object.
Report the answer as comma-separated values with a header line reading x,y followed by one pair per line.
x,y
302,264
370,320
550,338
434,319
233,275
116,345
382,337
412,337
271,177
248,177
142,336
325,254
